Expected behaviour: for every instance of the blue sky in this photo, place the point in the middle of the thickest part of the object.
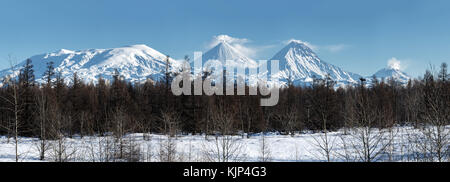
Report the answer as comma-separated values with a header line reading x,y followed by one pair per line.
x,y
359,36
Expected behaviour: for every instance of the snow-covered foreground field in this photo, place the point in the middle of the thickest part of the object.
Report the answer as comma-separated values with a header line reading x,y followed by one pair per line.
x,y
399,144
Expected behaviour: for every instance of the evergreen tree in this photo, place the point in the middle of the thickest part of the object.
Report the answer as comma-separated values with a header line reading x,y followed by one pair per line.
x,y
443,75
26,76
26,86
49,73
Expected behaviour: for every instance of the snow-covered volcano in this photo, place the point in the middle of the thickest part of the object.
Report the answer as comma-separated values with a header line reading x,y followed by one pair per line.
x,y
134,63
224,52
300,64
392,73
137,63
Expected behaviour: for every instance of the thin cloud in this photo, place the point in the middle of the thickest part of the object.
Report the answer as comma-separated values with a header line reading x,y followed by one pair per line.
x,y
336,48
228,39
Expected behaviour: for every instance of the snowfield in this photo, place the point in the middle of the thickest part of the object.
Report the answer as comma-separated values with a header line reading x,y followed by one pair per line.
x,y
399,144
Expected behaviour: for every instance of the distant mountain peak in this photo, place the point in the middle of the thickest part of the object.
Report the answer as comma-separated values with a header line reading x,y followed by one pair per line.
x,y
300,64
224,51
392,73
300,44
297,42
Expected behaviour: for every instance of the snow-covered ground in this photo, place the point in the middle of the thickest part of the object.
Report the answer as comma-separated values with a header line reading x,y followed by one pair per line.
x,y
399,144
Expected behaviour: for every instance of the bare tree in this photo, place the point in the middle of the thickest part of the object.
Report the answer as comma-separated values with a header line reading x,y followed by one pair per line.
x,y
62,150
346,154
43,105
264,149
368,141
324,110
391,147
145,127
132,150
120,129
435,129
167,148
14,105
148,151
225,147
171,121
325,143
288,119
101,149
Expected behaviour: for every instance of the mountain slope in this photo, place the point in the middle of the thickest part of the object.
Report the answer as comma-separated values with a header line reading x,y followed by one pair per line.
x,y
300,64
225,52
392,73
137,63
134,63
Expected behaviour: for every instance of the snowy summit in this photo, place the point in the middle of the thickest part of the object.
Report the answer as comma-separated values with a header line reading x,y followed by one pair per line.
x,y
300,64
224,52
392,73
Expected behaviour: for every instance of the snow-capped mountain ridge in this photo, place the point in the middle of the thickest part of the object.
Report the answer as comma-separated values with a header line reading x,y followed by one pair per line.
x,y
135,63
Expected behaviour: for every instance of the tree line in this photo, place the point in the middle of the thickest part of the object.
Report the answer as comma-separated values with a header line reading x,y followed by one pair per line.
x,y
56,109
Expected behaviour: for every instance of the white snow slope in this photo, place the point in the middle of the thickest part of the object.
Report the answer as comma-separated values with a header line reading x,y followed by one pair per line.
x,y
300,64
223,55
392,73
135,63
224,52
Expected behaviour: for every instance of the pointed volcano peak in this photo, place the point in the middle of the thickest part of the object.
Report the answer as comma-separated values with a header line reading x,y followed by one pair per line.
x,y
224,51
297,48
221,51
222,41
393,68
392,73
298,44
300,63
223,46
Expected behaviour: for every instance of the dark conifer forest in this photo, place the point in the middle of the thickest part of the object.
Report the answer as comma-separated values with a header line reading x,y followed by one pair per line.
x,y
55,107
